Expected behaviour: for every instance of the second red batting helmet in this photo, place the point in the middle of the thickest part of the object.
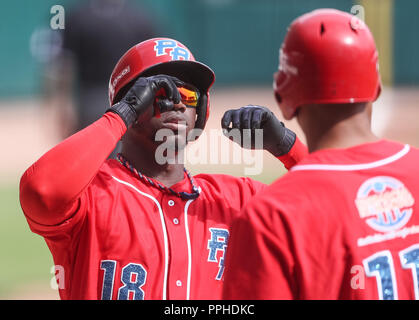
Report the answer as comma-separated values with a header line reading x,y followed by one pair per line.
x,y
328,56
162,56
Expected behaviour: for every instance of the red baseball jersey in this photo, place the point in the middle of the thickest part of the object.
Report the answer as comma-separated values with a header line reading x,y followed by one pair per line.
x,y
342,224
116,237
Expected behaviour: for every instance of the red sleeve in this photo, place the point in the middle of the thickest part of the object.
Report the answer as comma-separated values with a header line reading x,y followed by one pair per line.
x,y
297,153
50,190
255,185
259,265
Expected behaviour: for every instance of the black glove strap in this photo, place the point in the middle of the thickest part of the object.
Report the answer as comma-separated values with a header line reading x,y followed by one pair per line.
x,y
286,144
125,111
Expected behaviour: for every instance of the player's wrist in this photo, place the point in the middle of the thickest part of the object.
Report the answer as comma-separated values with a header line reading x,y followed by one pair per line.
x,y
124,110
284,141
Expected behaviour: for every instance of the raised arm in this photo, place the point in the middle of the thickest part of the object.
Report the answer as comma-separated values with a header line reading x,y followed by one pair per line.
x,y
51,187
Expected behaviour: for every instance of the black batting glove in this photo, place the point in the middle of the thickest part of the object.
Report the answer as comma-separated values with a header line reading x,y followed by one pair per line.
x,y
277,139
142,95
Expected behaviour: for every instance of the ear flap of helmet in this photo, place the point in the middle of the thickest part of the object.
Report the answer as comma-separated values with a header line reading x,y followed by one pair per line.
x,y
202,111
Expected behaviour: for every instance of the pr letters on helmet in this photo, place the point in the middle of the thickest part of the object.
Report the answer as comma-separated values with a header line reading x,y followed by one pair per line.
x,y
171,48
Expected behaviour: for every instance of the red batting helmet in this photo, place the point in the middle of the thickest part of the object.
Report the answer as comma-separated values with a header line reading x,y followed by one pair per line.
x,y
162,56
328,56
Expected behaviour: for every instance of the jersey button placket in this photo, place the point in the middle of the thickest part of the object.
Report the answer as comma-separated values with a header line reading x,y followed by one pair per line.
x,y
173,209
171,203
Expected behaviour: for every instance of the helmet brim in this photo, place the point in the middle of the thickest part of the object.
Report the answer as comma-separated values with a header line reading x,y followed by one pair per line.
x,y
192,72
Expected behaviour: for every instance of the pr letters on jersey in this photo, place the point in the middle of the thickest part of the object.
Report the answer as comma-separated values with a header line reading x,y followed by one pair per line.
x,y
172,48
217,243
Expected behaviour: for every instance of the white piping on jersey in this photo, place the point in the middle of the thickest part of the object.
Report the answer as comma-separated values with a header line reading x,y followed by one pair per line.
x,y
353,167
166,245
188,242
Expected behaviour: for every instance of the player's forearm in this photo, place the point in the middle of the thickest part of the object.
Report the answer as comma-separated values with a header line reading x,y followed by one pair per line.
x,y
297,153
54,182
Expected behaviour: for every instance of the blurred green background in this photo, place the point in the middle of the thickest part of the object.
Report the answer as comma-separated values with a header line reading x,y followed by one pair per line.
x,y
239,39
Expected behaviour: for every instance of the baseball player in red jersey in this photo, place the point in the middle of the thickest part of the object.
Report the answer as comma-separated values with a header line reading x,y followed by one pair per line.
x,y
344,222
135,228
